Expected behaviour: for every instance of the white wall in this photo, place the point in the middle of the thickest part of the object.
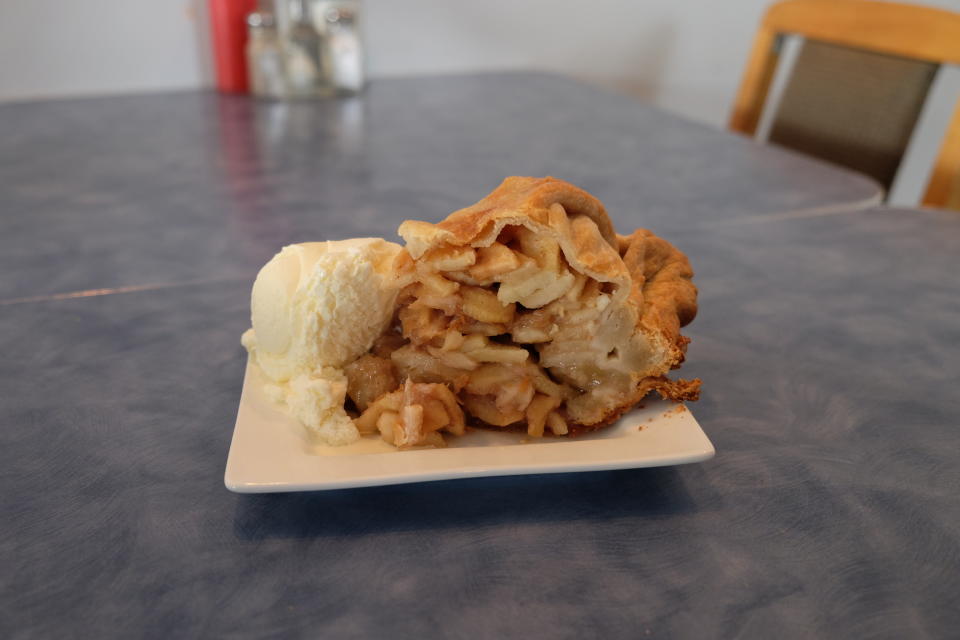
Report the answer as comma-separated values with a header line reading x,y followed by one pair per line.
x,y
52,48
686,55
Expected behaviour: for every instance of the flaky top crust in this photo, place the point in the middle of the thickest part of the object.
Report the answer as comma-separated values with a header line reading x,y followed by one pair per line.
x,y
517,197
653,274
544,205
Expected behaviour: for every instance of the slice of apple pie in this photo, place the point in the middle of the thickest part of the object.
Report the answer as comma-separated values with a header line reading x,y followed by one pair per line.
x,y
536,314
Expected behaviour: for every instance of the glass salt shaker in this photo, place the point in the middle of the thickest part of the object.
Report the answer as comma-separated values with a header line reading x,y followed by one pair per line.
x,y
344,45
265,57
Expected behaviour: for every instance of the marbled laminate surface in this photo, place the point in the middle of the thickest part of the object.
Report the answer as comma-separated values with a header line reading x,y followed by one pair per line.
x,y
830,353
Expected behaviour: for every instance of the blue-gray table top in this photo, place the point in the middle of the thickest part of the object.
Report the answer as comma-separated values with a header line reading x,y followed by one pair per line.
x,y
829,349
189,186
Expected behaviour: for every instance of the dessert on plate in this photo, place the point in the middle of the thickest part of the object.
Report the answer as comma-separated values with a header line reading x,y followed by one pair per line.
x,y
525,311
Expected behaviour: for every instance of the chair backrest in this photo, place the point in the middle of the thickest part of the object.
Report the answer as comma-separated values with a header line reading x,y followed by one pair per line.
x,y
858,85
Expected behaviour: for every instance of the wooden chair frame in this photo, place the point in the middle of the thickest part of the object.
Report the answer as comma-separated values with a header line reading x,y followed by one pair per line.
x,y
909,31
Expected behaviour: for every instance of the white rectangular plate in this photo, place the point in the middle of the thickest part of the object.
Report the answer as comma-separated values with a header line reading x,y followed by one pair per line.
x,y
273,452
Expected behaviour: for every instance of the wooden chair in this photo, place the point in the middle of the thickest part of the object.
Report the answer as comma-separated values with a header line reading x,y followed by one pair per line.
x,y
858,85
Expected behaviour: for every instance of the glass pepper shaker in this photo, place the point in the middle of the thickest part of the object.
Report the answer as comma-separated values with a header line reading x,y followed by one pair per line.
x,y
344,45
265,57
306,56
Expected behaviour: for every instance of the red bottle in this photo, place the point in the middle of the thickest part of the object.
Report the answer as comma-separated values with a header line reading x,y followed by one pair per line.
x,y
228,27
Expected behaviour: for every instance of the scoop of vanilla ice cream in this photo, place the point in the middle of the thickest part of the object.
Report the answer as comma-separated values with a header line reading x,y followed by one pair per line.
x,y
316,307
322,304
